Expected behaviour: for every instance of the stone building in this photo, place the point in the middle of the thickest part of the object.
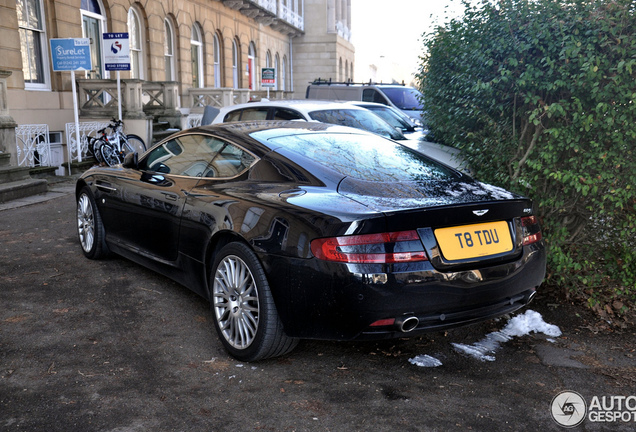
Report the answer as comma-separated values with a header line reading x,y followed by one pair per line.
x,y
184,55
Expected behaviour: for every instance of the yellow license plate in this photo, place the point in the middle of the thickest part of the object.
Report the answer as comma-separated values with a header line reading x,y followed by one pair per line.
x,y
474,241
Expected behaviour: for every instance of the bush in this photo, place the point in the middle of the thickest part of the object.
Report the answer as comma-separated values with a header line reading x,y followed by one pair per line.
x,y
540,96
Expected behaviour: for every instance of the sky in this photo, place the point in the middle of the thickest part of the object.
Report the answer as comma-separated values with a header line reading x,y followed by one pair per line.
x,y
388,34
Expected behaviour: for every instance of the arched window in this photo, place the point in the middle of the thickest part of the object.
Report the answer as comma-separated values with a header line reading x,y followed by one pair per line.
x,y
135,31
217,61
346,77
169,51
236,63
340,74
251,65
196,51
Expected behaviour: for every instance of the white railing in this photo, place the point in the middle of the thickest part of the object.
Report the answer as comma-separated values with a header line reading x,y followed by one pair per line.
x,y
86,129
269,5
287,14
216,97
194,120
33,146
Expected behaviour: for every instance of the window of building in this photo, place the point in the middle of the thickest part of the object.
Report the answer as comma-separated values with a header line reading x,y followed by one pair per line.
x,y
235,64
196,51
168,51
251,65
217,62
33,44
136,44
93,25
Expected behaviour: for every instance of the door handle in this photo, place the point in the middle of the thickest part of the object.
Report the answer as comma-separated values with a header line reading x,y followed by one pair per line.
x,y
170,196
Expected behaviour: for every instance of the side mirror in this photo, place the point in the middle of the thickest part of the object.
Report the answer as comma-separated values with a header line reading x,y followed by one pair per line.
x,y
131,160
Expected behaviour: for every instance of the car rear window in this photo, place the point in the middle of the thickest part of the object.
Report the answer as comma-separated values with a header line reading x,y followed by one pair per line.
x,y
366,157
359,119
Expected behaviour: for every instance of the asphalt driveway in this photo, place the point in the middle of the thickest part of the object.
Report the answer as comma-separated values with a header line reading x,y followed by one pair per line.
x,y
110,346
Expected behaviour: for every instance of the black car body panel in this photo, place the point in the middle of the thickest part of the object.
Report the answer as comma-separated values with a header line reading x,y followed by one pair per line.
x,y
286,198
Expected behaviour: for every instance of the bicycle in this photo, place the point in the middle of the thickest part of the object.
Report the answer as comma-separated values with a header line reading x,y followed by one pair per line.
x,y
112,148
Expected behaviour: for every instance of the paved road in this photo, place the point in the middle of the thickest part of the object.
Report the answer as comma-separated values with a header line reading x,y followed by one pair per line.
x,y
109,346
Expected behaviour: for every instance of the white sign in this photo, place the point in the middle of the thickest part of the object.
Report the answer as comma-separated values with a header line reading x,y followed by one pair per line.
x,y
116,51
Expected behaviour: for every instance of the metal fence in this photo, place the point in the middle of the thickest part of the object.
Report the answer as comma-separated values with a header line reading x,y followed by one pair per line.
x,y
33,146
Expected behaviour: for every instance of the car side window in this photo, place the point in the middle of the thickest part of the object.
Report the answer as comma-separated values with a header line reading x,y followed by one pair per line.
x,y
372,95
287,114
254,114
233,116
197,155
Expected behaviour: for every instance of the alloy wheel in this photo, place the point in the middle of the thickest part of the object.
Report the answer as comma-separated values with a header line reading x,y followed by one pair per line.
x,y
85,222
236,303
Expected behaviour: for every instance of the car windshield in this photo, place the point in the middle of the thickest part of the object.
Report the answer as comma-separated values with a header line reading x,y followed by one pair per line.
x,y
406,98
359,119
365,157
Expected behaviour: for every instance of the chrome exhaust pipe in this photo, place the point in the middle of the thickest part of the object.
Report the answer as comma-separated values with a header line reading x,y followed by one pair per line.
x,y
407,323
531,297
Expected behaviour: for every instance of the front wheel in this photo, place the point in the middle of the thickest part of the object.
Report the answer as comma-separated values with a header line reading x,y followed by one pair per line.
x,y
245,316
109,154
134,144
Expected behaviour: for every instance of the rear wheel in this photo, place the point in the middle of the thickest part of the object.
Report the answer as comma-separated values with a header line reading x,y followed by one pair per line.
x,y
245,316
134,144
90,228
93,145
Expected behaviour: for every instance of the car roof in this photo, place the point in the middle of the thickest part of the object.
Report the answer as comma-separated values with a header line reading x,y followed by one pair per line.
x,y
268,129
303,105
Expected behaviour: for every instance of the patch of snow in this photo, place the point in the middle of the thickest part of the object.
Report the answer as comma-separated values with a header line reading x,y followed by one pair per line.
x,y
484,350
425,361
520,325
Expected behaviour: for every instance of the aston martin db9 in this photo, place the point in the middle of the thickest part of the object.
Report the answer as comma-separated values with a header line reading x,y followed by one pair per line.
x,y
299,230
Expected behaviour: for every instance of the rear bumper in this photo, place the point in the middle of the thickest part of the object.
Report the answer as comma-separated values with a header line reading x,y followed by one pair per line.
x,y
320,300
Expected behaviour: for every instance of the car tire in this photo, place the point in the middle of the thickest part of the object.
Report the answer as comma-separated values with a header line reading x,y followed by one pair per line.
x,y
245,316
90,229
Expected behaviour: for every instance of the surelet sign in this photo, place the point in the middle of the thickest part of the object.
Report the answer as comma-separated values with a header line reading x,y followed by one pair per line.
x,y
71,54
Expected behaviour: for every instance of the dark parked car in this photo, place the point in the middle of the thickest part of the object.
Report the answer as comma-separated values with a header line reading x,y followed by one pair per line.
x,y
309,230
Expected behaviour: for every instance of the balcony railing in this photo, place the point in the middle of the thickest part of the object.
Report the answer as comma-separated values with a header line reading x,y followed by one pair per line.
x,y
216,97
98,98
270,12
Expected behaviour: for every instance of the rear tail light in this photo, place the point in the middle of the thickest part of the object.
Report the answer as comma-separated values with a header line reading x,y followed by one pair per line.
x,y
531,230
393,247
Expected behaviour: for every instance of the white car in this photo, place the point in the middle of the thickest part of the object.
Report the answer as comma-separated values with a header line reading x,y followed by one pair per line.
x,y
340,113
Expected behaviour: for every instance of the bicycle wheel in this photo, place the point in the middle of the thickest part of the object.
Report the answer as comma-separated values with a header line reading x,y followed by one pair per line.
x,y
109,154
133,143
94,144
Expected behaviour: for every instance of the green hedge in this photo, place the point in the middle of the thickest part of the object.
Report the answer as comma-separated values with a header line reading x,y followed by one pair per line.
x,y
541,97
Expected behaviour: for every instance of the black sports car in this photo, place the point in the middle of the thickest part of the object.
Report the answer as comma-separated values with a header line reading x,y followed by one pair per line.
x,y
308,230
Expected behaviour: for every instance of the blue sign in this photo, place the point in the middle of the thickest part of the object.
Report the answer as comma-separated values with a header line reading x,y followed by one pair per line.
x,y
71,54
116,51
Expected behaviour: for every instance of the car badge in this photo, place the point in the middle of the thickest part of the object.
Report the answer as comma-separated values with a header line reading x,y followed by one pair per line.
x,y
480,212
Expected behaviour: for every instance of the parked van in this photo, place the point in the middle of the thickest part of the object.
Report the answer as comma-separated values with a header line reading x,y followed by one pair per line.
x,y
406,99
